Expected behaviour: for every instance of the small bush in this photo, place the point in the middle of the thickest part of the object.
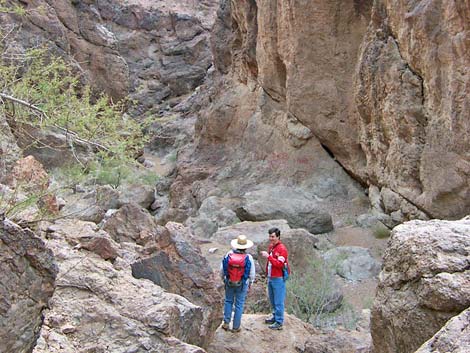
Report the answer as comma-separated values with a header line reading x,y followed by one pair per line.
x,y
312,297
308,292
113,172
380,231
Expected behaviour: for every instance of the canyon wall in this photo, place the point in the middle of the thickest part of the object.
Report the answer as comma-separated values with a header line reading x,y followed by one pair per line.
x,y
153,51
380,87
411,90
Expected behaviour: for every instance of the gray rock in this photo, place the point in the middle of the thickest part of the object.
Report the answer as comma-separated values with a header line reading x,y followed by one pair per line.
x,y
132,223
213,214
143,195
97,307
352,262
391,200
85,207
255,231
9,149
375,199
202,226
180,268
107,197
285,203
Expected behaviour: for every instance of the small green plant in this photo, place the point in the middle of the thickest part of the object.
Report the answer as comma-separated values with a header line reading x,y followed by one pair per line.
x,y
313,297
113,172
109,172
368,302
172,157
309,293
380,231
13,9
24,204
147,177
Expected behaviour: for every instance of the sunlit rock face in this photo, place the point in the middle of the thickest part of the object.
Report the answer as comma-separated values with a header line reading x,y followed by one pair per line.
x,y
411,91
381,86
100,305
279,108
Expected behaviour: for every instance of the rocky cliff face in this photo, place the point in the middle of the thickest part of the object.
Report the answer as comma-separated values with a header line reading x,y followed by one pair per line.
x,y
151,50
380,87
411,90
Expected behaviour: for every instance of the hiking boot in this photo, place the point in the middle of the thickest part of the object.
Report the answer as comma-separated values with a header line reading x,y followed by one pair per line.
x,y
270,320
225,326
235,330
275,326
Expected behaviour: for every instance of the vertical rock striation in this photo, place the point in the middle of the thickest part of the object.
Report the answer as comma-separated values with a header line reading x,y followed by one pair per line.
x,y
411,92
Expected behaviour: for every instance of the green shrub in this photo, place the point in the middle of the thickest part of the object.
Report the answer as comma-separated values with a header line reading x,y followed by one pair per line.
x,y
308,291
114,172
49,94
380,231
43,91
311,293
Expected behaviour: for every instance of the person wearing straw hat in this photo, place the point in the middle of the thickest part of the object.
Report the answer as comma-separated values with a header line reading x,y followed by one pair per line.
x,y
237,270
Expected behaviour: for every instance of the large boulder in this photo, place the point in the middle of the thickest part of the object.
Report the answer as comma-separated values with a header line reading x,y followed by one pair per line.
x,y
255,231
214,212
99,306
424,282
353,263
179,267
293,205
132,223
27,273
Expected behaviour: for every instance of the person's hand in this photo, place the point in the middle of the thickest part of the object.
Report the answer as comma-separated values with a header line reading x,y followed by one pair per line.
x,y
264,254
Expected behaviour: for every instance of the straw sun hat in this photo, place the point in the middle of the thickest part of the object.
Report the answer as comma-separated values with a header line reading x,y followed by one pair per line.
x,y
241,242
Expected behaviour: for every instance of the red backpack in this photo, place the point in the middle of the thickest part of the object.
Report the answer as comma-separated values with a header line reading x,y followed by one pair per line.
x,y
236,269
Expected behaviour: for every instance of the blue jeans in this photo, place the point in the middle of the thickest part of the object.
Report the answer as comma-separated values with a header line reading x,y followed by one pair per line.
x,y
234,295
277,295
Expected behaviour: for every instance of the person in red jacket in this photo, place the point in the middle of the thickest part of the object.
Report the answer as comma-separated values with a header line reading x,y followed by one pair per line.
x,y
276,258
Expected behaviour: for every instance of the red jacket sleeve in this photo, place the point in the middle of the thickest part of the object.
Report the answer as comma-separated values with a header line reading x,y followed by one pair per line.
x,y
279,256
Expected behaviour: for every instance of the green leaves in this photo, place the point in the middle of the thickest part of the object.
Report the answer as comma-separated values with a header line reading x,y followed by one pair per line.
x,y
62,100
14,9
